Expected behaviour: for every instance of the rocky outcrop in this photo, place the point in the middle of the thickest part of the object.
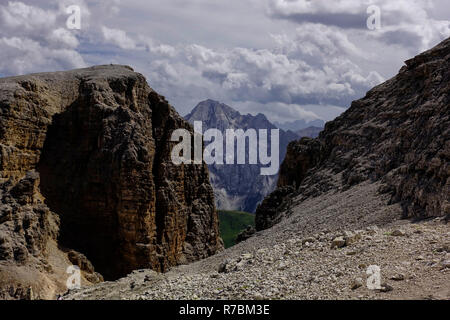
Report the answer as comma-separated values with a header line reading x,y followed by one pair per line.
x,y
32,266
399,133
98,139
238,187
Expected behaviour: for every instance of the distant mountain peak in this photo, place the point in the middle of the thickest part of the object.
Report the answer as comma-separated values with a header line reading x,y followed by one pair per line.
x,y
237,187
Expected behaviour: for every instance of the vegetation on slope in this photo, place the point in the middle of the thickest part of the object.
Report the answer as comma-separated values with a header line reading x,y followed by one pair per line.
x,y
232,223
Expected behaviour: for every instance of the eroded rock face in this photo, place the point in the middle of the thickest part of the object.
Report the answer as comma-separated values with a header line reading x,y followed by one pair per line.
x,y
99,139
398,133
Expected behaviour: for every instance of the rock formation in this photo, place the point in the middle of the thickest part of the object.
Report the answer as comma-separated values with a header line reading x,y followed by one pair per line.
x,y
399,134
238,187
90,148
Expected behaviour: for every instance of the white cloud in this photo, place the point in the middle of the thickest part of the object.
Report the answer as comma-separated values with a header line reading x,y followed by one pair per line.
x,y
301,69
118,37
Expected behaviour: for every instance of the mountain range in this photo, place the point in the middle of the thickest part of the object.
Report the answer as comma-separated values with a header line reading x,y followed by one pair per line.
x,y
240,187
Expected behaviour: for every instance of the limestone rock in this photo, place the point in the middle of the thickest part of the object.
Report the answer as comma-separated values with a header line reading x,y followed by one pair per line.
x,y
358,282
397,233
351,237
98,139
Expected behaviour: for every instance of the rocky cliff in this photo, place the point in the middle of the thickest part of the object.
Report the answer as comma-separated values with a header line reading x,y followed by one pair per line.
x,y
398,134
85,160
238,187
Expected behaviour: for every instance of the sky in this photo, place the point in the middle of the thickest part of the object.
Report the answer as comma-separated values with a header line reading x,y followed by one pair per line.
x,y
288,59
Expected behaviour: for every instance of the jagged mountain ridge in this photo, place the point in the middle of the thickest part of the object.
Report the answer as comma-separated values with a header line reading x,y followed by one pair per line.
x,y
399,134
85,164
237,187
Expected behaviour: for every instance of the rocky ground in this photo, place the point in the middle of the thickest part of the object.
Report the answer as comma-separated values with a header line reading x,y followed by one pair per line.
x,y
322,250
85,165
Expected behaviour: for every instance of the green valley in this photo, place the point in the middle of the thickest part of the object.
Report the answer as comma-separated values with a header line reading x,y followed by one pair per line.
x,y
232,223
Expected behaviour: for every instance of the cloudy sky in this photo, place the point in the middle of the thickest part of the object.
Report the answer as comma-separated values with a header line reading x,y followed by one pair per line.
x,y
289,59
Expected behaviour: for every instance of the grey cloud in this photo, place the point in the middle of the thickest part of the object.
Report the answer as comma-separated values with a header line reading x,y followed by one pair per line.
x,y
304,59
401,20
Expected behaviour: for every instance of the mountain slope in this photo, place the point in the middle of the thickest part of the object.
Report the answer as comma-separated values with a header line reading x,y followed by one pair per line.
x,y
237,187
232,223
295,258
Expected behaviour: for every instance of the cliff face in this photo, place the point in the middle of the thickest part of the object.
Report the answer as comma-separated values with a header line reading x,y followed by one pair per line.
x,y
238,187
399,133
98,138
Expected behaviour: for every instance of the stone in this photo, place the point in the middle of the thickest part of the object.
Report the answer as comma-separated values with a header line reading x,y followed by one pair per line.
x,y
446,263
258,296
372,230
282,266
308,240
240,265
247,256
386,287
223,267
398,233
351,237
338,242
444,248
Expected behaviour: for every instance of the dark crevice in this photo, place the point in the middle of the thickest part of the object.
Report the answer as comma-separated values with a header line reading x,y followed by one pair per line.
x,y
72,189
